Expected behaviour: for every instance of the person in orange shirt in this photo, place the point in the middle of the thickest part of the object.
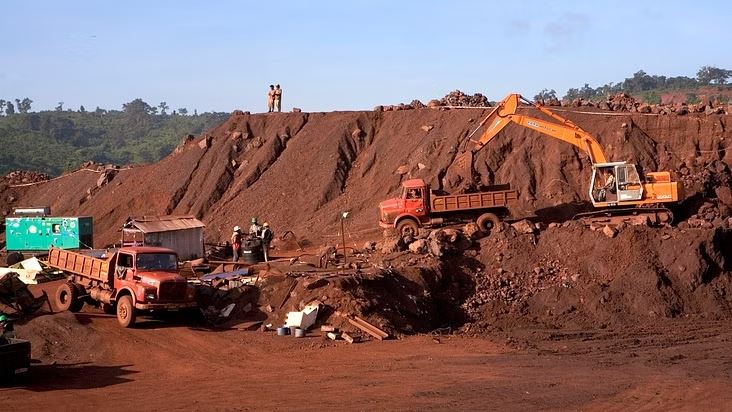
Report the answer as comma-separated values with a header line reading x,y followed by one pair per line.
x,y
270,99
278,98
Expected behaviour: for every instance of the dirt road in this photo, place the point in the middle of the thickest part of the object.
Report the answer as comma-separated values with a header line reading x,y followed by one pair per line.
x,y
87,361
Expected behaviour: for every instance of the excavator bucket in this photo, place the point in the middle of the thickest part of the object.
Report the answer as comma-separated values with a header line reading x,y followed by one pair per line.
x,y
460,175
463,166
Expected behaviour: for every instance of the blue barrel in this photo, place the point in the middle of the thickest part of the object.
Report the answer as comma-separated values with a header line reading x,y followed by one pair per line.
x,y
283,331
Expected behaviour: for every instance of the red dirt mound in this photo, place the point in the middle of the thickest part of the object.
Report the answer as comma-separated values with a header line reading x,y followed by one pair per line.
x,y
300,170
574,277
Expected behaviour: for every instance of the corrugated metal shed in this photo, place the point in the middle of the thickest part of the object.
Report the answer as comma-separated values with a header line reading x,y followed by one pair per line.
x,y
166,223
184,234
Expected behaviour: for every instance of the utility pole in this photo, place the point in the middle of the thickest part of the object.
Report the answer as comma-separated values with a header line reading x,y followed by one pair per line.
x,y
344,215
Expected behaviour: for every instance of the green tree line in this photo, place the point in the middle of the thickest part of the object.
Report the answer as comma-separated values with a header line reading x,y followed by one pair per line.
x,y
649,86
59,140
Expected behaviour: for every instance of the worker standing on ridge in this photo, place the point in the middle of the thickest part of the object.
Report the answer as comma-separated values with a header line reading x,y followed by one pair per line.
x,y
236,243
278,98
255,229
270,99
267,236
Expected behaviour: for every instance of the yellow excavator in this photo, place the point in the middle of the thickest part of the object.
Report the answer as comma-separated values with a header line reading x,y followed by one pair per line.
x,y
616,188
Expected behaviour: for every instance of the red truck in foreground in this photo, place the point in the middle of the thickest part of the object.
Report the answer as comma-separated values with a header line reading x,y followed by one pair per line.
x,y
418,207
132,279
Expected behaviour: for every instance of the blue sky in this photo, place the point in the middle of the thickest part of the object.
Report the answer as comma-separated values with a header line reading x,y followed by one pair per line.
x,y
338,55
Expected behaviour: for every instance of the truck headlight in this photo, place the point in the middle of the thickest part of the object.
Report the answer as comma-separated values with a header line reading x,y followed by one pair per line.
x,y
150,296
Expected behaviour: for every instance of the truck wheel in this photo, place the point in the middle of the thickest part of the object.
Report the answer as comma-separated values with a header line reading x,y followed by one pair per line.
x,y
67,298
407,228
487,222
126,311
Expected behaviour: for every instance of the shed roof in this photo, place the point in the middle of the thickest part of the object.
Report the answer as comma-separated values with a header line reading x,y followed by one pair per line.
x,y
155,224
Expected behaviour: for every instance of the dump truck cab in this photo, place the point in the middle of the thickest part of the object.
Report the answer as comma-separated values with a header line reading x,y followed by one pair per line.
x,y
413,204
150,274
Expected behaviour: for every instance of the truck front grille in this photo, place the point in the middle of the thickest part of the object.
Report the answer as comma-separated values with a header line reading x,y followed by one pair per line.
x,y
171,290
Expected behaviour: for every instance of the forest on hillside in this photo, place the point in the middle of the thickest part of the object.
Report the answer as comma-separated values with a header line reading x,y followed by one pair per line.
x,y
59,140
710,81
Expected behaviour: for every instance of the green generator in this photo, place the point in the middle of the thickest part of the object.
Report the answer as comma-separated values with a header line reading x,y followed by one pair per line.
x,y
38,233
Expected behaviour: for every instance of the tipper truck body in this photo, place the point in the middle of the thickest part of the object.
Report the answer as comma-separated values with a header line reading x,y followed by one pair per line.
x,y
132,279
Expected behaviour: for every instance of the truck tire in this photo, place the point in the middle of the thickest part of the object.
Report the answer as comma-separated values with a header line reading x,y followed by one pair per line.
x,y
67,298
487,222
126,311
407,228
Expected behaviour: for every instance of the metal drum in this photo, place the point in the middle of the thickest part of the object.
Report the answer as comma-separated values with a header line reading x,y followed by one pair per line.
x,y
251,250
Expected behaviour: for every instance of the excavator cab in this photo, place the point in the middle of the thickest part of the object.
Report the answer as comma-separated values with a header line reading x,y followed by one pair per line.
x,y
615,183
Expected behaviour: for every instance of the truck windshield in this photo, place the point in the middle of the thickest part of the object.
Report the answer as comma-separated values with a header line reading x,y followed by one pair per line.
x,y
157,261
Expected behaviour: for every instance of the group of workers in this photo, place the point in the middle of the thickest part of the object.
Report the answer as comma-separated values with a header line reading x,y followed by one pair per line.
x,y
274,98
256,231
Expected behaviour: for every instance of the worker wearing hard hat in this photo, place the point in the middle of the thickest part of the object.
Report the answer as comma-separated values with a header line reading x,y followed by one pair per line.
x,y
255,230
236,243
267,235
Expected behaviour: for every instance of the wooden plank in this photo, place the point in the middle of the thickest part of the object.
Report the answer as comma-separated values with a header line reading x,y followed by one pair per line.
x,y
368,328
377,330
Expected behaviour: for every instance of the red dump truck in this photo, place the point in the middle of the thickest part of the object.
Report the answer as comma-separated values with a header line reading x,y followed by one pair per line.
x,y
418,207
132,279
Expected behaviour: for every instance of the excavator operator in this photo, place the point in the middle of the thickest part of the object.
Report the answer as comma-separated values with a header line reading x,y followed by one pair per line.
x,y
608,187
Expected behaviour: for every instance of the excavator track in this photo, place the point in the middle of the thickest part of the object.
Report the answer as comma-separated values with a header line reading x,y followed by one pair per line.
x,y
653,216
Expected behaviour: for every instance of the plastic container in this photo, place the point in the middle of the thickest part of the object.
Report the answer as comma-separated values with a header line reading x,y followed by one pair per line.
x,y
299,333
283,331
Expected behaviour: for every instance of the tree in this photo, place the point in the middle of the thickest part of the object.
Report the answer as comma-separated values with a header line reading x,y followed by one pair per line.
x,y
163,107
9,108
183,111
2,106
545,95
24,105
715,75
100,112
137,107
60,107
82,109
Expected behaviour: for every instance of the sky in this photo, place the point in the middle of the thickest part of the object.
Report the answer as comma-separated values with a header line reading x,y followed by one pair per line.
x,y
342,55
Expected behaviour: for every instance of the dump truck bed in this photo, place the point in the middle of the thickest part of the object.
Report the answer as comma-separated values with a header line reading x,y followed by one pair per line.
x,y
78,264
479,200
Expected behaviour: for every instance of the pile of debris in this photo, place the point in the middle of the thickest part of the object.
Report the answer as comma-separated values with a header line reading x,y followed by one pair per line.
x,y
437,242
623,102
14,295
21,177
713,180
458,98
454,98
229,292
510,289
709,215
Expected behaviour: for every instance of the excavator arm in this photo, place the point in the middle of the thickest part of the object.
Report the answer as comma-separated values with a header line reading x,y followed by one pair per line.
x,y
505,113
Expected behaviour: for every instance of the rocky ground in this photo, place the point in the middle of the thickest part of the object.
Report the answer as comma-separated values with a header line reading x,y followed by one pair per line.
x,y
539,293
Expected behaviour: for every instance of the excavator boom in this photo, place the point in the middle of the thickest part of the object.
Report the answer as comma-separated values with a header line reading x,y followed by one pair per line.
x,y
505,113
